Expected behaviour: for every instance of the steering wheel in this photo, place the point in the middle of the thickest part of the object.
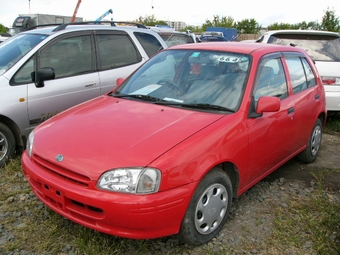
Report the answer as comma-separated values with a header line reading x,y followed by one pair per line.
x,y
171,83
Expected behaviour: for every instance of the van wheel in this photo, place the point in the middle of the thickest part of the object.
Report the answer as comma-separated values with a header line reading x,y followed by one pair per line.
x,y
7,144
208,209
311,152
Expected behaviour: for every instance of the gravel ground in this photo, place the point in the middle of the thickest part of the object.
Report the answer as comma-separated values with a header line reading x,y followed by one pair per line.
x,y
250,221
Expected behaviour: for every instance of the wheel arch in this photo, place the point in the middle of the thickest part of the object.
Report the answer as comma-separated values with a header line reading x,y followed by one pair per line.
x,y
231,170
19,140
322,117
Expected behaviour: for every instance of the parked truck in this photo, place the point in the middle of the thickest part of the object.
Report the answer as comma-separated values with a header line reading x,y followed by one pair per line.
x,y
229,33
26,21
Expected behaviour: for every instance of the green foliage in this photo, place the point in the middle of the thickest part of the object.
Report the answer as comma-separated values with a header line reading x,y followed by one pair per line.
x,y
281,26
330,22
248,26
311,221
150,20
195,29
333,125
219,22
3,29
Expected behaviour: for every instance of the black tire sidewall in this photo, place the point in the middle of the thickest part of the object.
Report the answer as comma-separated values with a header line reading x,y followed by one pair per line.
x,y
188,232
11,143
306,156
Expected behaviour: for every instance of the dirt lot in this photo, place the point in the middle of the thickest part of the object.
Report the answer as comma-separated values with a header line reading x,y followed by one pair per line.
x,y
328,158
27,227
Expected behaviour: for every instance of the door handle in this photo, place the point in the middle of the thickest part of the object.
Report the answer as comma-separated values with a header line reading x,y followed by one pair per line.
x,y
317,96
290,110
90,85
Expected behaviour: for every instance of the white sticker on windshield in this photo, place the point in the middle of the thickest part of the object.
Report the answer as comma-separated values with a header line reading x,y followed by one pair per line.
x,y
173,100
146,90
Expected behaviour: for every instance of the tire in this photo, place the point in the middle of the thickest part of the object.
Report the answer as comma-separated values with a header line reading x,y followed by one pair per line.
x,y
208,209
7,144
314,142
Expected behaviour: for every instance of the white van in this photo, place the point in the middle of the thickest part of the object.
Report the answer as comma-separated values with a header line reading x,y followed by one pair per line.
x,y
47,70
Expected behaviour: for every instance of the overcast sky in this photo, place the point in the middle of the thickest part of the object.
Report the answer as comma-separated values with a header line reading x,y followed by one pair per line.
x,y
191,12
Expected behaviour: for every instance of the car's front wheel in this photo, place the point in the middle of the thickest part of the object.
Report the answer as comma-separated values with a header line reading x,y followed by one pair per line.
x,y
311,152
208,209
7,144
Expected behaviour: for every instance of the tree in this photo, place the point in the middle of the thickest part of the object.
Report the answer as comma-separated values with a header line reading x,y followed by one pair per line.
x,y
248,26
193,29
330,22
219,22
3,29
150,20
308,25
281,26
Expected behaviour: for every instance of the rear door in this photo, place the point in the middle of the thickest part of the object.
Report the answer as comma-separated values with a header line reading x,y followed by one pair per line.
x,y
306,94
117,55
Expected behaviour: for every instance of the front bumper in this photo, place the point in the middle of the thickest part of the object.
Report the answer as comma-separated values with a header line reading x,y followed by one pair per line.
x,y
124,215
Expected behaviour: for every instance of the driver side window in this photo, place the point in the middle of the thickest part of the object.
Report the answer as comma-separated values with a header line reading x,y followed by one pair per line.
x,y
270,80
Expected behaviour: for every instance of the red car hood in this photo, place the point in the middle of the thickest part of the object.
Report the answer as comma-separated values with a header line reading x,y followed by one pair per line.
x,y
108,133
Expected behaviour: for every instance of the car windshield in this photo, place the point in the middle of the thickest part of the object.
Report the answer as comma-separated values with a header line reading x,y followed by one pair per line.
x,y
318,47
197,79
16,47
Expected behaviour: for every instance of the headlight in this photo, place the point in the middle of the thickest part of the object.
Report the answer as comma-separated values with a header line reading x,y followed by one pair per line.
x,y
29,144
131,180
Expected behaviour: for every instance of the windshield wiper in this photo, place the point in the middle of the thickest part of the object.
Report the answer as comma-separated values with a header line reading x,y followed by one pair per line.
x,y
138,96
197,106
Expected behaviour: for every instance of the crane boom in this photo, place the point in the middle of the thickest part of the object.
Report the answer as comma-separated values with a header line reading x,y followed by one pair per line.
x,y
75,11
104,15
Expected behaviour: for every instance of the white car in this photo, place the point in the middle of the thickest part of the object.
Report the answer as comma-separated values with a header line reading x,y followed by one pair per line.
x,y
47,70
324,49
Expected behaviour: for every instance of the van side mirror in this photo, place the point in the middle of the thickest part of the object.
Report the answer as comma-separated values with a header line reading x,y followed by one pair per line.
x,y
43,74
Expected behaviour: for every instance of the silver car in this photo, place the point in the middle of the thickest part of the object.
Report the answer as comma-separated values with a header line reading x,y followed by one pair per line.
x,y
324,49
47,70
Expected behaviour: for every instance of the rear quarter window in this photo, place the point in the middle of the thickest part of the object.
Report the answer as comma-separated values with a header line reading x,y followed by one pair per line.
x,y
150,44
116,50
301,73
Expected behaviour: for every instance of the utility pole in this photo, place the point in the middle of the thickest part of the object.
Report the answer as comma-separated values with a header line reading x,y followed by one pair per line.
x,y
29,6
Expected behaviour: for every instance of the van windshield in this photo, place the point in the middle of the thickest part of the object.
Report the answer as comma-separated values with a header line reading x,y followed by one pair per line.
x,y
16,47
318,47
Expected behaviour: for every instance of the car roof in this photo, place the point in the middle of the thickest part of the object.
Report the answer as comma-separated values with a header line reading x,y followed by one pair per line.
x,y
245,48
292,31
80,26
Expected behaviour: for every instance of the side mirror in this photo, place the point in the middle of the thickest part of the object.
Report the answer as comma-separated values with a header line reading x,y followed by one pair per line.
x,y
268,104
119,82
43,74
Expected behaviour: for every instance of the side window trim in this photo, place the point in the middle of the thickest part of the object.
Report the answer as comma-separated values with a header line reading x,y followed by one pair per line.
x,y
110,61
90,68
269,74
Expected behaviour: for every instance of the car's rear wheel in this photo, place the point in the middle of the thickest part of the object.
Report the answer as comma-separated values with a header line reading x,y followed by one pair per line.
x,y
7,144
208,209
311,152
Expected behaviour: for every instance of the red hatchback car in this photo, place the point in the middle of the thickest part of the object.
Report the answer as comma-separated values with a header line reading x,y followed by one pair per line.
x,y
169,148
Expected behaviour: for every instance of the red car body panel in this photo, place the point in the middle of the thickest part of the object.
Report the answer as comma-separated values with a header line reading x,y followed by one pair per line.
x,y
109,132
147,126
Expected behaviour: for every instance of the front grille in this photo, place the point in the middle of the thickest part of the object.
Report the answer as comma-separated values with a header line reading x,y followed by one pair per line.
x,y
61,172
